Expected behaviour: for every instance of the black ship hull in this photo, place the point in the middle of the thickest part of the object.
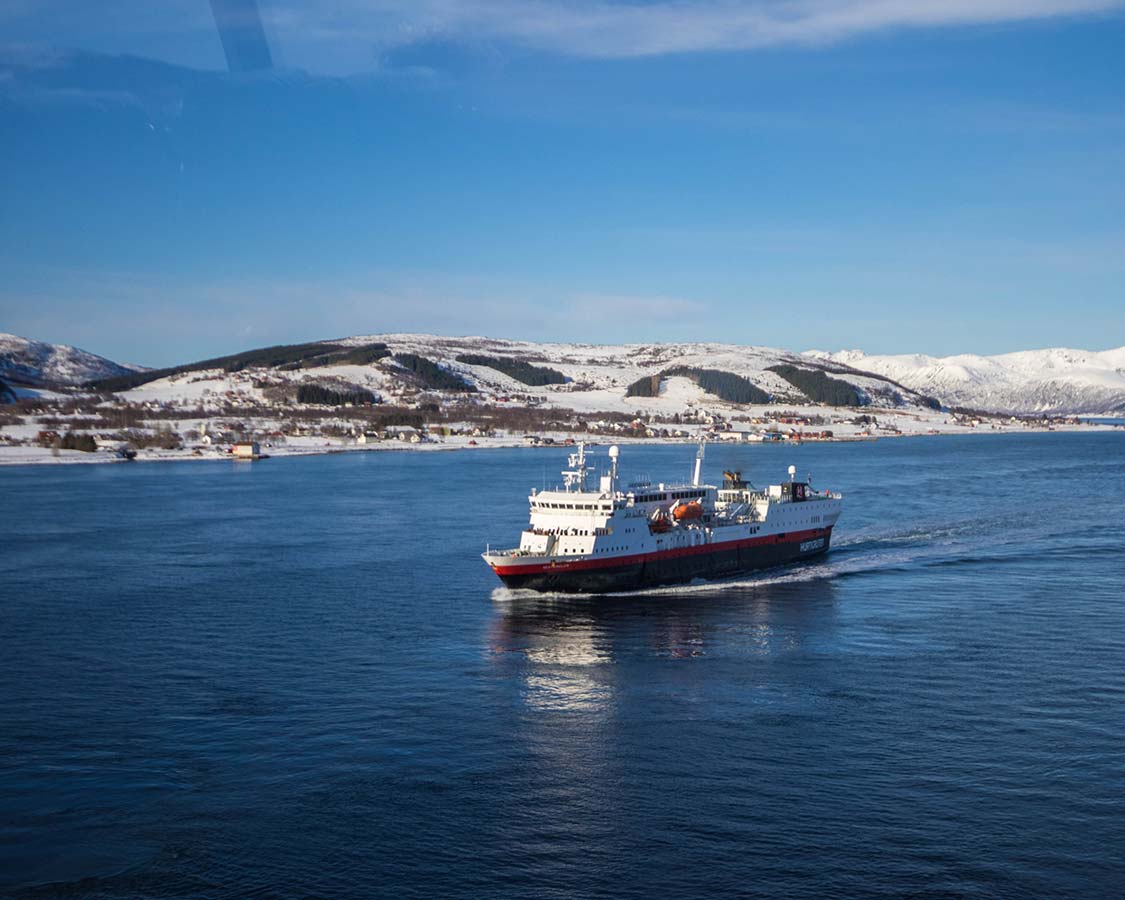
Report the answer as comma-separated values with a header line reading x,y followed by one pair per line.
x,y
654,570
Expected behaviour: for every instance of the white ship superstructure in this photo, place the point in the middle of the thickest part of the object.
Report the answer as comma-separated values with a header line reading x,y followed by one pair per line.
x,y
619,536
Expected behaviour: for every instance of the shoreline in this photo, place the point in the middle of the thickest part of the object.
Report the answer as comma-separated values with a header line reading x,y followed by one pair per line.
x,y
34,456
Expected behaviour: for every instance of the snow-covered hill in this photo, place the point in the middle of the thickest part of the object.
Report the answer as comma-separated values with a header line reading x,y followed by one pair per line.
x,y
600,374
38,363
1056,381
597,376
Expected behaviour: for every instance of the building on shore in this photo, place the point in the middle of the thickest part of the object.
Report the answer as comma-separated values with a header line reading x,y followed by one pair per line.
x,y
249,450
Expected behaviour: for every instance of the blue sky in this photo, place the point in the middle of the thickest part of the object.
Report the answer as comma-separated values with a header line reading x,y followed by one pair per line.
x,y
890,175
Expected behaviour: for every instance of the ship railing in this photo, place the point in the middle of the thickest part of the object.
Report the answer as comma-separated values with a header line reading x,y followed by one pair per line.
x,y
514,551
740,512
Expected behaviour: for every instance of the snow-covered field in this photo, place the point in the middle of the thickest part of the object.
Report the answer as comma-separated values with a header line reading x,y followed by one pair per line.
x,y
1054,381
600,373
1049,382
894,424
261,401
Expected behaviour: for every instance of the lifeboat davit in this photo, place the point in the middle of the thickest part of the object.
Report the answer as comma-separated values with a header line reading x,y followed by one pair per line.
x,y
688,511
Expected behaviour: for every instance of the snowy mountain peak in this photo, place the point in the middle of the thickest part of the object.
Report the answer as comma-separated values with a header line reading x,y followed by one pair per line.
x,y
1057,380
38,363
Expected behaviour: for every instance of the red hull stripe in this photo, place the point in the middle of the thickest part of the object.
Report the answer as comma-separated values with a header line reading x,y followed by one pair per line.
x,y
564,564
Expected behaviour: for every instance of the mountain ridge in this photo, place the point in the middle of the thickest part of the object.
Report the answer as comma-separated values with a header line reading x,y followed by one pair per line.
x,y
1052,381
41,364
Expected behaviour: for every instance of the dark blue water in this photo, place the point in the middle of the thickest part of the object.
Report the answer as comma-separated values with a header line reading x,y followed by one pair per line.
x,y
297,679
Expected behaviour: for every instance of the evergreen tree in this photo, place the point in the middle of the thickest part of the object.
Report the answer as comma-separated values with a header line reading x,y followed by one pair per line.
x,y
649,386
523,372
431,375
724,385
319,395
819,387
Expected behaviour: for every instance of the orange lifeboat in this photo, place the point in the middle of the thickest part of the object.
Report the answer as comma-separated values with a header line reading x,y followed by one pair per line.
x,y
687,511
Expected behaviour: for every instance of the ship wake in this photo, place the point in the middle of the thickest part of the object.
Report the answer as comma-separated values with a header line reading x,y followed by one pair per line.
x,y
857,554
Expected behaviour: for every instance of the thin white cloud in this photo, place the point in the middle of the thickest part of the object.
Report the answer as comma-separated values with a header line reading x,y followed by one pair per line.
x,y
353,36
601,28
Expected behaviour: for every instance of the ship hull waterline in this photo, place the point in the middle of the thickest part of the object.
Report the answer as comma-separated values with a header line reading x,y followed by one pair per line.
x,y
715,561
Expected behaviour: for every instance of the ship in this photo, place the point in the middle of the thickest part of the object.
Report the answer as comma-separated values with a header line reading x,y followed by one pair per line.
x,y
621,537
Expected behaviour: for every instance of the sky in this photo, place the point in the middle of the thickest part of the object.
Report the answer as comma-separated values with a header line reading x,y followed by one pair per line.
x,y
896,176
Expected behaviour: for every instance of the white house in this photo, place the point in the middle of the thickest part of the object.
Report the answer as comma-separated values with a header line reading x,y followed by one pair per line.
x,y
247,450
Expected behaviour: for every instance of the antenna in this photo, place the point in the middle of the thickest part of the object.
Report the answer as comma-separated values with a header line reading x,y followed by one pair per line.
x,y
699,459
792,472
575,476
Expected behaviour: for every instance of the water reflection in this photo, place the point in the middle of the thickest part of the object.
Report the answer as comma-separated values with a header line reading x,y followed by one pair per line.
x,y
590,676
557,663
569,652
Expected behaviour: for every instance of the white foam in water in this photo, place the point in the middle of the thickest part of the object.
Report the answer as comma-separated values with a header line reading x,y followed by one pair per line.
x,y
832,567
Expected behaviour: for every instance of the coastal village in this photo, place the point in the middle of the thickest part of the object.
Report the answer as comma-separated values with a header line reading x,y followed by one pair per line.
x,y
244,425
262,411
